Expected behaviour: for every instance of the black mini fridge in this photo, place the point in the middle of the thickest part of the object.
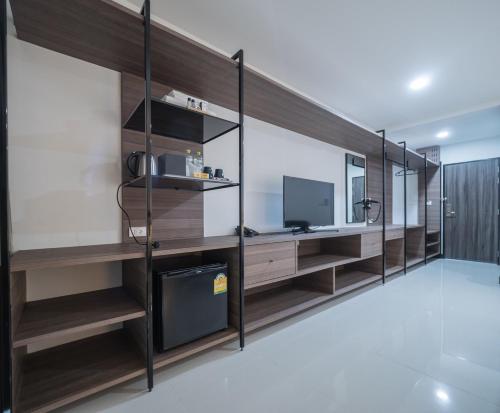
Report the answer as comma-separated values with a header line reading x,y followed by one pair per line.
x,y
188,304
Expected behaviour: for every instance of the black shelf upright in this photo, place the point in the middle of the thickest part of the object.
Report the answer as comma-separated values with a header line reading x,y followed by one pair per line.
x,y
405,218
5,328
384,177
146,13
425,207
241,109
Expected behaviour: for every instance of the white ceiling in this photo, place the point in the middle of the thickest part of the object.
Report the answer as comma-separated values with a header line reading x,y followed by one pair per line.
x,y
357,57
476,125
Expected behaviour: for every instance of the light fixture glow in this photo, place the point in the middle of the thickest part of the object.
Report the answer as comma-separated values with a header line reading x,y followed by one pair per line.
x,y
420,83
442,395
443,134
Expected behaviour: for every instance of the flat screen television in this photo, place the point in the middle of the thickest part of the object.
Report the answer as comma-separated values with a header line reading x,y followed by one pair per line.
x,y
307,203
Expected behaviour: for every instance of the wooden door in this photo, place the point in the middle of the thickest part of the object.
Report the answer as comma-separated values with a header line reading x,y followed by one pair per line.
x,y
470,211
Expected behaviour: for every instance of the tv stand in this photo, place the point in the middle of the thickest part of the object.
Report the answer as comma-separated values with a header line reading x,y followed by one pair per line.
x,y
303,230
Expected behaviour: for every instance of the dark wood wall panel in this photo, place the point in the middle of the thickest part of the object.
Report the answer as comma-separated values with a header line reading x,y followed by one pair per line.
x,y
176,214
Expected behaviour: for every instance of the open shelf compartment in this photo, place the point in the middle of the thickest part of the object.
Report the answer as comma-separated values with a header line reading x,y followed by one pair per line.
x,y
318,254
56,317
180,182
350,277
174,121
60,375
269,304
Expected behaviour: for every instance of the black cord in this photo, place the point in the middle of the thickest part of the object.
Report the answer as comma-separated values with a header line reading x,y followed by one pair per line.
x,y
378,214
126,214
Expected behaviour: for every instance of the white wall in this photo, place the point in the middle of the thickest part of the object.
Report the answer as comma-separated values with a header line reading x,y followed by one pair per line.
x,y
270,153
398,198
64,162
471,151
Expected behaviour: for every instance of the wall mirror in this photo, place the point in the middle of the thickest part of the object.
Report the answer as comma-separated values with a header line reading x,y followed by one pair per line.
x,y
355,188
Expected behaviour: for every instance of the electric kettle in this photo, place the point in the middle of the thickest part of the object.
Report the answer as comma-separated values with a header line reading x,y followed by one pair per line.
x,y
136,164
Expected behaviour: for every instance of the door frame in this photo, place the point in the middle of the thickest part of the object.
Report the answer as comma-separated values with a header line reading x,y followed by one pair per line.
x,y
443,209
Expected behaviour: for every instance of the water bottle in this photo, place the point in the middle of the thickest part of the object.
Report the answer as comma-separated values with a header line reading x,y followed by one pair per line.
x,y
198,160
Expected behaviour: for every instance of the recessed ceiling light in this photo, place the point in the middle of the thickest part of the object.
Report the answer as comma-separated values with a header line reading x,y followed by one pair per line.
x,y
420,83
443,134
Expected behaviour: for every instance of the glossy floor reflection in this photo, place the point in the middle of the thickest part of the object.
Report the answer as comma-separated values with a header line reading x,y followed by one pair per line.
x,y
425,342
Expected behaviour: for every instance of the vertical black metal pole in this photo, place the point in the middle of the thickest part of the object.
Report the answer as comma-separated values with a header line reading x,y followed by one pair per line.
x,y
405,166
146,11
441,228
425,208
5,342
384,166
241,109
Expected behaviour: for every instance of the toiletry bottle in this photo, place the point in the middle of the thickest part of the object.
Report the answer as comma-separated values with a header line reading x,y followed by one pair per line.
x,y
189,163
199,162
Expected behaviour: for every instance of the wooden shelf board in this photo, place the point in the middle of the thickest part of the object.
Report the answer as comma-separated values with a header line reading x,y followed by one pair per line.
x,y
265,308
56,317
61,375
435,254
67,256
414,261
89,254
431,244
312,263
198,346
393,269
349,280
433,231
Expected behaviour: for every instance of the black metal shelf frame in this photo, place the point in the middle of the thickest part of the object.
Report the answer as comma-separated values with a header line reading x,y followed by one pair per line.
x,y
5,327
148,181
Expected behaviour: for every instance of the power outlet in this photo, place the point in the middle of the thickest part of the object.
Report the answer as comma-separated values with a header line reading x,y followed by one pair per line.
x,y
137,231
429,203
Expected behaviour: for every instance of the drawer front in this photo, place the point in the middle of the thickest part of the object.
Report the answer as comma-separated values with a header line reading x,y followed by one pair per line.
x,y
394,234
371,244
268,261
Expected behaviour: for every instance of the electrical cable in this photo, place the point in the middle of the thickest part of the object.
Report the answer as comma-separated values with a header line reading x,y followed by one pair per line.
x,y
143,244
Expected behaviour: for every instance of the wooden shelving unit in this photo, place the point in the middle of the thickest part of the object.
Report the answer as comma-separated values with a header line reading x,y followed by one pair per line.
x,y
57,317
52,378
60,375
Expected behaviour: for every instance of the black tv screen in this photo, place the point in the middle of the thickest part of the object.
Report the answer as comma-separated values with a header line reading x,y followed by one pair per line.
x,y
307,202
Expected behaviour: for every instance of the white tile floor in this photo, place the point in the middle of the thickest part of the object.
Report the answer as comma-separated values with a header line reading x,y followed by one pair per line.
x,y
427,342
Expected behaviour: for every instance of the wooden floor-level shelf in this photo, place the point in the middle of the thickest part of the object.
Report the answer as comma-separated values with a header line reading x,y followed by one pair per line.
x,y
349,280
393,269
430,244
434,254
190,349
58,376
56,317
279,303
414,261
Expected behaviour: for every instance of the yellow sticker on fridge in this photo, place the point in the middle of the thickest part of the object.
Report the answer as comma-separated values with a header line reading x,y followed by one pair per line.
x,y
220,284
